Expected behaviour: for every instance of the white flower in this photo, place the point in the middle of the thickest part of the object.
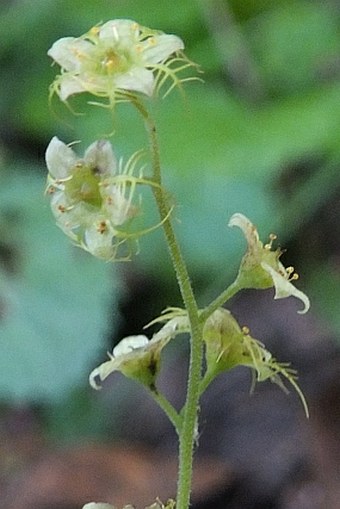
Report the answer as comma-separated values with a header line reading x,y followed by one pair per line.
x,y
261,267
117,56
87,203
138,357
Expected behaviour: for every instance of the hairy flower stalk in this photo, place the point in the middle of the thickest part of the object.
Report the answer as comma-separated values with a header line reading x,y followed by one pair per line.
x,y
117,58
91,197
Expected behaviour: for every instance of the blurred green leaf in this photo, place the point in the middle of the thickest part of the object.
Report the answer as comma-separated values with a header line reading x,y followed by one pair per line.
x,y
296,45
55,303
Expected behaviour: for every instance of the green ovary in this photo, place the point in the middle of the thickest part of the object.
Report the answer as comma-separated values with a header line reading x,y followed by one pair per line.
x,y
84,186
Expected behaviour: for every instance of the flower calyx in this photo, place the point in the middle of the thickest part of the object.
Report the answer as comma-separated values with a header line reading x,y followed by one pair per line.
x,y
137,357
227,345
261,267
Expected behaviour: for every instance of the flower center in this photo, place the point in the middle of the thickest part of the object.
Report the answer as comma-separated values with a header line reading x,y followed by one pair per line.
x,y
113,62
84,185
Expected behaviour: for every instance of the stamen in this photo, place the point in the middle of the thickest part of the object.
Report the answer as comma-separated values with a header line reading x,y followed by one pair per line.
x,y
272,237
291,275
245,330
63,209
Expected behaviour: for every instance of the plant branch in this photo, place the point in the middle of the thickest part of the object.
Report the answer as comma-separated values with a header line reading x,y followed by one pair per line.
x,y
174,417
219,301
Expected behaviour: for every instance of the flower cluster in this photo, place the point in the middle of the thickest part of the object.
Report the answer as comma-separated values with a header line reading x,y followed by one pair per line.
x,y
227,345
91,197
116,59
261,267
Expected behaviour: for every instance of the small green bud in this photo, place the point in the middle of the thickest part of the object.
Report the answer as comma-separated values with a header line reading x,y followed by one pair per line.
x,y
261,267
223,339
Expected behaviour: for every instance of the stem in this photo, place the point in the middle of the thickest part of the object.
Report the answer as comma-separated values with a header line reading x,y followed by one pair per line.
x,y
173,416
220,300
187,431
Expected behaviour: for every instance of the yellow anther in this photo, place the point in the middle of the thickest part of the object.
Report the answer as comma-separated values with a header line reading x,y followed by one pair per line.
x,y
152,41
94,31
291,275
245,330
272,237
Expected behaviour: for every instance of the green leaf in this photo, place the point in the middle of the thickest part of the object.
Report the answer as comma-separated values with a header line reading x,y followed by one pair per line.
x,y
55,303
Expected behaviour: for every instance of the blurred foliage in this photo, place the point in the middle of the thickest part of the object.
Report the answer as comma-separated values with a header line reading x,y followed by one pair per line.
x,y
270,100
55,300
